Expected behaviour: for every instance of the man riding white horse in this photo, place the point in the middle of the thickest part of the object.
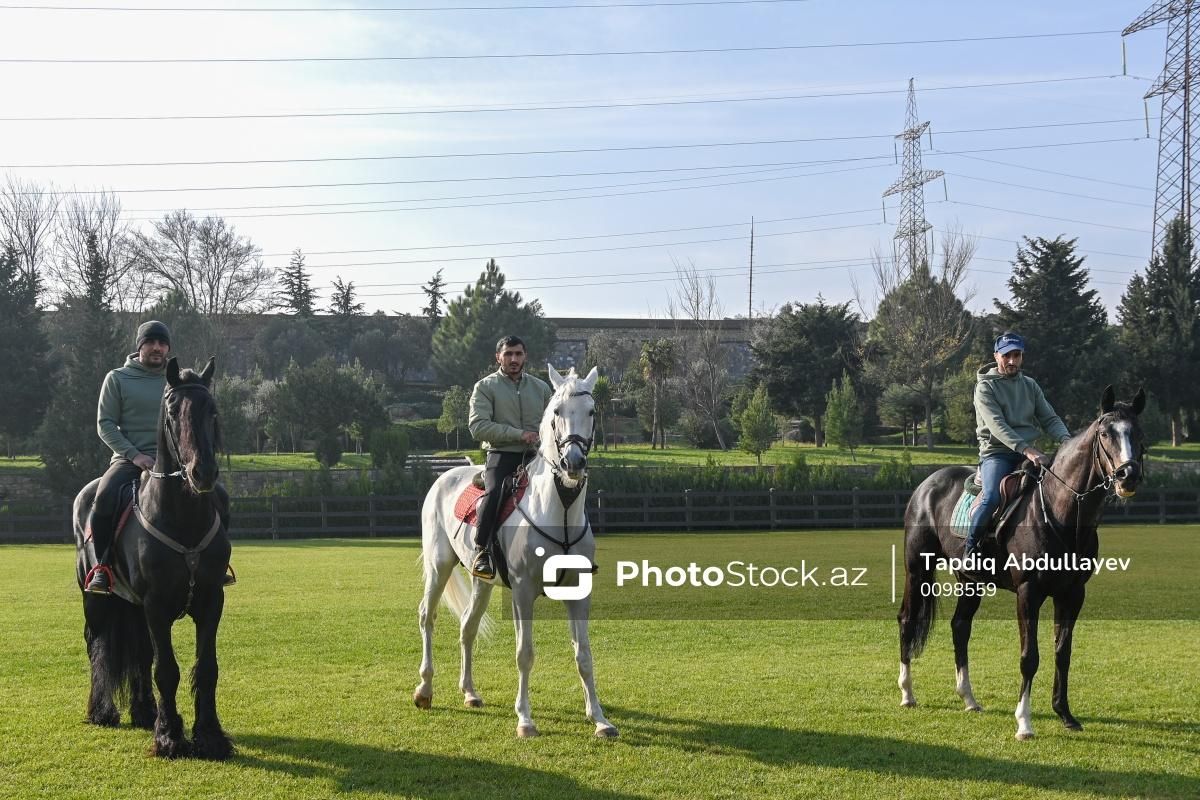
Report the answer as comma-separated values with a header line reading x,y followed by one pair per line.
x,y
1010,411
506,409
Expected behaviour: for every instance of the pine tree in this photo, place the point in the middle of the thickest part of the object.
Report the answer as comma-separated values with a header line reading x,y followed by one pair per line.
x,y
23,379
844,415
456,408
346,311
295,289
758,424
1160,327
1064,325
435,294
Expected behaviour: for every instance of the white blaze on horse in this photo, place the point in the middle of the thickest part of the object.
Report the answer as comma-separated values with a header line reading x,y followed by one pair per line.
x,y
549,520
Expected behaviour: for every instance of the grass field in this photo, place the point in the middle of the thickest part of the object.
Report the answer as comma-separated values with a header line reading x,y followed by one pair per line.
x,y
319,655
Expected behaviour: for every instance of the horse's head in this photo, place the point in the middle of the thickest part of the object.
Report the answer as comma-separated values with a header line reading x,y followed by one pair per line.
x,y
1120,443
569,424
192,433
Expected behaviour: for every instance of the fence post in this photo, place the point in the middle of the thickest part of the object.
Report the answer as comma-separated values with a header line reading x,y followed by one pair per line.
x,y
371,514
645,509
324,518
1162,506
600,508
774,510
855,514
687,508
274,517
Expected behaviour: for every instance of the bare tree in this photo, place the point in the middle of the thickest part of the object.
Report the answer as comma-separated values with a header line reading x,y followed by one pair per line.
x,y
703,359
27,212
206,262
921,324
97,215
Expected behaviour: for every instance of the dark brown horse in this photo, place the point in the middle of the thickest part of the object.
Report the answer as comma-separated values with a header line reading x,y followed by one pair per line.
x,y
169,561
1057,523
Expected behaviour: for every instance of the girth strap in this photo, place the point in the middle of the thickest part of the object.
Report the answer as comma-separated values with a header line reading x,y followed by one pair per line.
x,y
191,555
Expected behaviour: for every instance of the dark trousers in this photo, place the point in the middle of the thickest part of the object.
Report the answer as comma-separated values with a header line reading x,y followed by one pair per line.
x,y
104,510
497,467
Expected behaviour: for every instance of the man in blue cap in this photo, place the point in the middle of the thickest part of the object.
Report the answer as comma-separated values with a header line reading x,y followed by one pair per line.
x,y
1010,413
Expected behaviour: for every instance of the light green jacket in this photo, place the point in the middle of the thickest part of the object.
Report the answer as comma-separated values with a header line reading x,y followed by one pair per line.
x,y
127,414
501,410
1010,413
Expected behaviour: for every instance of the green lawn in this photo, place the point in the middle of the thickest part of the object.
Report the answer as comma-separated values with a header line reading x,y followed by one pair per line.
x,y
317,674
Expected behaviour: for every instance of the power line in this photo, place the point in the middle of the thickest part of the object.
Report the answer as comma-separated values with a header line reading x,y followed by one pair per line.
x,y
1050,191
540,108
1046,216
392,9
1048,171
578,54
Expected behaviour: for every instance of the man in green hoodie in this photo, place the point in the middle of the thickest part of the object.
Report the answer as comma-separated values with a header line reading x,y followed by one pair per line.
x,y
506,410
127,421
1010,413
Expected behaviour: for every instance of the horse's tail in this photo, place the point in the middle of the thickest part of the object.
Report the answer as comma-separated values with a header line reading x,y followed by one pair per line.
x,y
918,610
120,646
457,594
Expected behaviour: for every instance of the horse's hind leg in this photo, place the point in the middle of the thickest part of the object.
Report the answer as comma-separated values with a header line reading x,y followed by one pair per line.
x,y
142,708
960,627
169,741
208,739
918,606
436,576
1066,611
481,593
522,605
577,618
99,630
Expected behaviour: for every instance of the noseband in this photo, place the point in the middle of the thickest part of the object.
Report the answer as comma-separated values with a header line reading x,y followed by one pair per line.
x,y
560,444
1099,456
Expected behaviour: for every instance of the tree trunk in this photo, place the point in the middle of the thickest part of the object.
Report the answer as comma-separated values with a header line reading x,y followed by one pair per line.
x,y
818,430
1176,428
928,423
720,438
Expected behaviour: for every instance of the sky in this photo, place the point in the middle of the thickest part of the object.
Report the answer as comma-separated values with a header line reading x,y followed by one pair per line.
x,y
593,178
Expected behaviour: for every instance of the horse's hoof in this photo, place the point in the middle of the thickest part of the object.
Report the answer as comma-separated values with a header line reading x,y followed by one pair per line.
x,y
473,702
606,732
1024,736
143,716
214,746
527,731
422,702
107,719
171,748
1073,725
908,703
977,709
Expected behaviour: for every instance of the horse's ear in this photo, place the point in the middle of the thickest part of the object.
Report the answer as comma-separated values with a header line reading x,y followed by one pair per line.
x,y
555,379
173,371
209,368
1139,401
590,380
1108,399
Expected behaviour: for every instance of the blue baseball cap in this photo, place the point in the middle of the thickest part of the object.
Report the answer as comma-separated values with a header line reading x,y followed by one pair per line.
x,y
1009,341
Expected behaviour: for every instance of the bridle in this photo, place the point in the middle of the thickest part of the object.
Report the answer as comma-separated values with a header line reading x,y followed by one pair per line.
x,y
561,443
173,439
1100,455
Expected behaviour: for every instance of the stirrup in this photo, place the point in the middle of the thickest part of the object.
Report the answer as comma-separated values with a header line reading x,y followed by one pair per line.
x,y
483,555
99,588
230,575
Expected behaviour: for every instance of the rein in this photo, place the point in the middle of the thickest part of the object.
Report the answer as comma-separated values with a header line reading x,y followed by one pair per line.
x,y
173,439
1104,485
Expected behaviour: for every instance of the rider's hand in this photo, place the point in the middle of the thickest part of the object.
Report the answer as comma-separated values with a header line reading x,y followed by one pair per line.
x,y
144,461
529,437
1036,456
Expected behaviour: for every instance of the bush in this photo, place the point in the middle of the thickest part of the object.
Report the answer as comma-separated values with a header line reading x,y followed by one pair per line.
x,y
389,447
423,434
698,431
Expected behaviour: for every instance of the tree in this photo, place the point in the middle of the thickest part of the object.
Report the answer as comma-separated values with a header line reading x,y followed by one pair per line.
x,y
325,401
456,408
81,217
346,311
27,214
206,261
285,339
464,342
613,354
295,289
758,424
23,347
435,298
234,395
844,421
194,336
958,398
921,325
1064,325
703,361
86,345
902,406
659,360
1160,327
602,396
802,349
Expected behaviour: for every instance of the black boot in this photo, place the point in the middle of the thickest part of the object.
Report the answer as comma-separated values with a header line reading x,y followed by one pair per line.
x,y
99,579
482,566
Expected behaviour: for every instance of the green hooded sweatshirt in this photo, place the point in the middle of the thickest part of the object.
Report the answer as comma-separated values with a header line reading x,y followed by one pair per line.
x,y
1011,413
127,416
502,410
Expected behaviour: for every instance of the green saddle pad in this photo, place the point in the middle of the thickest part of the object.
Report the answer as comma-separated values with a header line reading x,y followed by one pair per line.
x,y
960,522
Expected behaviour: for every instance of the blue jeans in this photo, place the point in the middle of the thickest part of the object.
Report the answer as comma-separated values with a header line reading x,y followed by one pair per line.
x,y
991,470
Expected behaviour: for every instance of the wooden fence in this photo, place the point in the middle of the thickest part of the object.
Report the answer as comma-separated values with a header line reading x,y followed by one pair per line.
x,y
378,515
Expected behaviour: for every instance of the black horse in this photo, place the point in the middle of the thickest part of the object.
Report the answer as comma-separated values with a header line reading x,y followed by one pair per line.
x,y
169,560
1057,520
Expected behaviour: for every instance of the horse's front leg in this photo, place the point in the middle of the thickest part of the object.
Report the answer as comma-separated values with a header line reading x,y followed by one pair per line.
x,y
208,739
523,596
960,628
481,593
169,741
577,618
1066,611
1029,605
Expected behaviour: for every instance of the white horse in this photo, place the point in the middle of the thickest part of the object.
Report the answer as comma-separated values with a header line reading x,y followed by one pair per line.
x,y
549,521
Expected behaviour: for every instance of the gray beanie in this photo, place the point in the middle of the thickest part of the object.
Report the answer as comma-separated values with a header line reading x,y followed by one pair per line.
x,y
152,330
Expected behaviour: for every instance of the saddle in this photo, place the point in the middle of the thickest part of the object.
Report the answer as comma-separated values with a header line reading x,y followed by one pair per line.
x,y
1013,487
125,498
470,503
